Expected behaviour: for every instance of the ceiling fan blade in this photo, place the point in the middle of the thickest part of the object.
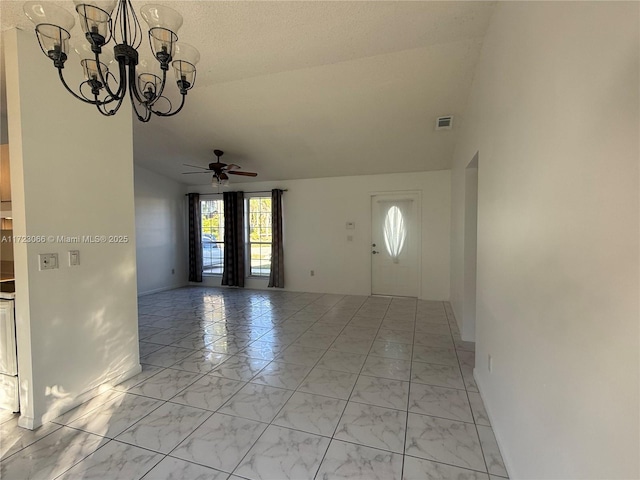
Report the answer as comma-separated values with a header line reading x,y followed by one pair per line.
x,y
233,166
189,173
246,174
195,166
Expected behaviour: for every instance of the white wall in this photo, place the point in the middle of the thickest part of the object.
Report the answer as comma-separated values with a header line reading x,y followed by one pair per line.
x,y
315,214
554,115
161,232
71,174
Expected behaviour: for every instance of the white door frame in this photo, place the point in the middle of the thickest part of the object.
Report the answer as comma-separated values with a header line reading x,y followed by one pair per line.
x,y
418,195
468,326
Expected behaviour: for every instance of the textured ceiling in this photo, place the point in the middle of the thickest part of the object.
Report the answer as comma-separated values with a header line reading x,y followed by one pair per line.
x,y
315,89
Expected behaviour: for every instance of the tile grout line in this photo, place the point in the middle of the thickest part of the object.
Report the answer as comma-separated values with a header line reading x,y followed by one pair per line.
x,y
163,402
352,388
253,340
315,366
201,374
168,401
484,459
3,459
270,423
218,411
109,440
406,425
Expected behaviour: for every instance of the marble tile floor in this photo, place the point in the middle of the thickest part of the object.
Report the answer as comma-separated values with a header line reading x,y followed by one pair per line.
x,y
267,385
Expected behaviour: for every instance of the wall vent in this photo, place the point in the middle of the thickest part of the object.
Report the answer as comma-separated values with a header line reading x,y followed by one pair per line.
x,y
444,123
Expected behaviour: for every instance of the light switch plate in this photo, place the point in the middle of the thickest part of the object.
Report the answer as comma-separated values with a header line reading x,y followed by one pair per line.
x,y
48,261
74,258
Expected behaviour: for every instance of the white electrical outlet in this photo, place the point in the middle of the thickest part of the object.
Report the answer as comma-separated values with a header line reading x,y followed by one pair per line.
x,y
490,363
48,261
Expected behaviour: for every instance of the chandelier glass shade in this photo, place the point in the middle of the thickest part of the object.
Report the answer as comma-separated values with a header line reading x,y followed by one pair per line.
x,y
109,78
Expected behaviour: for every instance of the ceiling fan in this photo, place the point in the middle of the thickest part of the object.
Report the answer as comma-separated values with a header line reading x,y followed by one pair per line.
x,y
221,171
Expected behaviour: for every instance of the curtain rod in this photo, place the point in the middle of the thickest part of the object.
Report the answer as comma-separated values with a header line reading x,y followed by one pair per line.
x,y
220,193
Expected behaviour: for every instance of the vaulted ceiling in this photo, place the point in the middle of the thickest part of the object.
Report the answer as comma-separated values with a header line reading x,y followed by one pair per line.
x,y
314,89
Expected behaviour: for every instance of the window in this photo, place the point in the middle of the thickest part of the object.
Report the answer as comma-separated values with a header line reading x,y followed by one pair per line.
x,y
212,219
395,232
258,236
258,215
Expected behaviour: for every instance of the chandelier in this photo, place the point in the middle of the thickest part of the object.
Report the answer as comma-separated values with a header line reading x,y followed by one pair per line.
x,y
103,21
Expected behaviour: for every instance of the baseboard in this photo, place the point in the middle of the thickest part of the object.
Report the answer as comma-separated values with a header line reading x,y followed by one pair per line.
x,y
32,423
456,316
26,422
501,444
162,289
123,377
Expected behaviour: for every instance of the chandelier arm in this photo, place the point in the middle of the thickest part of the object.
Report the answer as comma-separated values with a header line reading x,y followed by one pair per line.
x,y
108,39
170,114
115,96
84,84
147,112
108,99
122,91
103,110
113,111
169,102
161,98
159,94
85,100
133,88
122,84
133,96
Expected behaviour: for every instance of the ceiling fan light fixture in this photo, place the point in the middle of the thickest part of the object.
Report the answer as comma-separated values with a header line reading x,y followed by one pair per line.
x,y
219,181
223,179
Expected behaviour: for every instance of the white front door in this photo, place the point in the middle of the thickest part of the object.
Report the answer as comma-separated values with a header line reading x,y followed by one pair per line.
x,y
394,248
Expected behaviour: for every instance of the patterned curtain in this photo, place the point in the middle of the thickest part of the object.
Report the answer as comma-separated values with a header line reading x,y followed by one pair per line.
x,y
195,238
233,273
276,277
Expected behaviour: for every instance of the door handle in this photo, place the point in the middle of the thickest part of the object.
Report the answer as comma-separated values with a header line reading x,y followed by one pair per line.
x,y
374,252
